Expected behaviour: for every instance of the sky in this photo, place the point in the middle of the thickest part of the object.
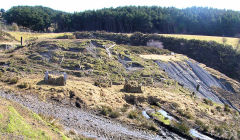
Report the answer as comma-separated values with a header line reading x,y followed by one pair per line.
x,y
82,5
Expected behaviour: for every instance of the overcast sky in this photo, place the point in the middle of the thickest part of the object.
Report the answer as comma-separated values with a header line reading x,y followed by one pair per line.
x,y
82,5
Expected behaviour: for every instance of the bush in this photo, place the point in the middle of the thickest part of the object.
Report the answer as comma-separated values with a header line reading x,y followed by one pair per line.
x,y
138,38
227,108
133,115
1,74
23,85
118,38
15,27
13,80
105,110
185,114
103,82
149,125
238,134
67,37
208,102
125,108
218,130
132,87
218,108
114,114
202,125
182,127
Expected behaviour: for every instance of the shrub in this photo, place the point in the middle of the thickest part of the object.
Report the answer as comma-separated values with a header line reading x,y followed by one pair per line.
x,y
218,108
149,125
208,102
133,114
105,110
137,38
1,74
202,125
185,114
15,27
218,130
238,134
13,80
182,127
125,108
103,82
175,105
132,87
67,37
23,85
226,108
114,114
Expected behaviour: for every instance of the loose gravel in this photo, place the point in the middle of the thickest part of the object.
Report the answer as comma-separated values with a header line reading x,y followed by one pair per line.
x,y
86,123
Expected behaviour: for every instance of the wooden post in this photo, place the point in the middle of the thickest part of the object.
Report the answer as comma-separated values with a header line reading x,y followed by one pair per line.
x,y
21,41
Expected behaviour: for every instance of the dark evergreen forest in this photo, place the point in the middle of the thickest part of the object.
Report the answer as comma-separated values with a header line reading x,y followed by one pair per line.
x,y
194,20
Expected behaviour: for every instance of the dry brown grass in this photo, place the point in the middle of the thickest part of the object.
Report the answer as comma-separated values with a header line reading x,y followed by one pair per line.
x,y
165,58
229,40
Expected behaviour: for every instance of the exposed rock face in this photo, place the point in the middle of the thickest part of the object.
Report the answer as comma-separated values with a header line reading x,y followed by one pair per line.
x,y
132,87
192,76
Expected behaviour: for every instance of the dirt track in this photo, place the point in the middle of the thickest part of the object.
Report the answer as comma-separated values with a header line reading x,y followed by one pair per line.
x,y
85,123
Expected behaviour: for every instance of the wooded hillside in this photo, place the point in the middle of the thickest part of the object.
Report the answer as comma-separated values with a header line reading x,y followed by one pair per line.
x,y
194,20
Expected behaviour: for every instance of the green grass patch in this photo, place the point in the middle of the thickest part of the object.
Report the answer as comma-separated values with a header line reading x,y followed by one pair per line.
x,y
161,118
54,128
18,126
1,116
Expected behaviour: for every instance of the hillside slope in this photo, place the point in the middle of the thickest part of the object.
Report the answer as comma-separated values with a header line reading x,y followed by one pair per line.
x,y
17,122
92,63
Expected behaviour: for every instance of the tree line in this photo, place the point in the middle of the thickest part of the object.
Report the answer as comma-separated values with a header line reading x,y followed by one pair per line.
x,y
194,20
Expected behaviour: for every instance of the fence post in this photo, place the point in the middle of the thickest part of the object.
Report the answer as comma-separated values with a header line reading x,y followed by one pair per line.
x,y
21,41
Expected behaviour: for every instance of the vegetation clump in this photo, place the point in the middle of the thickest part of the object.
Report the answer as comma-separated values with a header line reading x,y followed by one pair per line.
x,y
12,80
185,114
227,108
103,82
23,85
133,114
182,127
107,111
208,102
161,118
203,126
132,87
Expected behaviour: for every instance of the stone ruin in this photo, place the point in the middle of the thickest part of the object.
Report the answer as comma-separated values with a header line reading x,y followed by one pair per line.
x,y
55,78
132,87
